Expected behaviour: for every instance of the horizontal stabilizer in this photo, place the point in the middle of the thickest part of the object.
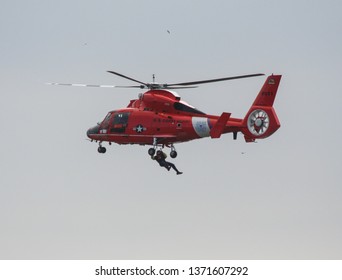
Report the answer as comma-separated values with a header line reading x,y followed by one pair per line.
x,y
218,128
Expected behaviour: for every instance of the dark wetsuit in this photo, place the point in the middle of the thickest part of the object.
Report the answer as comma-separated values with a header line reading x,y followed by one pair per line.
x,y
160,158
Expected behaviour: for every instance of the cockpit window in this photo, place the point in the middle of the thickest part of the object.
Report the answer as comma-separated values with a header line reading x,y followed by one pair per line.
x,y
185,108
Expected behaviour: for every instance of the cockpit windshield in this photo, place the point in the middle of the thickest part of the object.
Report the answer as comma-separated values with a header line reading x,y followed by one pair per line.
x,y
105,122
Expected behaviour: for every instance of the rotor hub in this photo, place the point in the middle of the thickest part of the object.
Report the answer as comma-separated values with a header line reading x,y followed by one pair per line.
x,y
258,122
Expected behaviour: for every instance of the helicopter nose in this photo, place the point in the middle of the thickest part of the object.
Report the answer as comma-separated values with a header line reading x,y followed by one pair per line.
x,y
93,130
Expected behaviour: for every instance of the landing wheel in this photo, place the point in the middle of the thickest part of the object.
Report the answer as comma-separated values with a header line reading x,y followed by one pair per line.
x,y
173,154
151,151
101,150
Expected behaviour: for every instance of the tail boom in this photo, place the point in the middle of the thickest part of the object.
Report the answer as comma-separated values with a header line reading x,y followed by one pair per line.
x,y
261,120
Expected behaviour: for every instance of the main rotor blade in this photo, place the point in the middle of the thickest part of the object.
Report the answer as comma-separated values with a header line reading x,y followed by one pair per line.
x,y
123,76
215,80
81,85
179,87
84,85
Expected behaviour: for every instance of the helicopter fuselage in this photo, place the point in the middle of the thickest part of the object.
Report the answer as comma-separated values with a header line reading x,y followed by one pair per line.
x,y
157,114
159,117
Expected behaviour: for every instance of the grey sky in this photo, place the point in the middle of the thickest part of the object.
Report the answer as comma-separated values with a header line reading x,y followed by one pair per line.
x,y
60,199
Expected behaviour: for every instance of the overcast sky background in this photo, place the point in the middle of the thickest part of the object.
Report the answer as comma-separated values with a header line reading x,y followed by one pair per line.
x,y
277,199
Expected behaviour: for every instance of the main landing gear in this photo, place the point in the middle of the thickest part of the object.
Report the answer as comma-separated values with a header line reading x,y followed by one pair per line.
x,y
173,152
152,151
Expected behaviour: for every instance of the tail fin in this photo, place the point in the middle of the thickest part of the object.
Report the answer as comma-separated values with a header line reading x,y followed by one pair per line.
x,y
261,120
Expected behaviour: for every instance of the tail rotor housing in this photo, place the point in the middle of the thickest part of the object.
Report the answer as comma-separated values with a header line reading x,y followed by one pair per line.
x,y
261,121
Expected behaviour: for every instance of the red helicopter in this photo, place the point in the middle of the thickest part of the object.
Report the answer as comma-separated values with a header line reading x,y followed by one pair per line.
x,y
160,118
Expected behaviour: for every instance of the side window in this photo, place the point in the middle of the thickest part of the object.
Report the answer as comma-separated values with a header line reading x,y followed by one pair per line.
x,y
120,122
120,118
184,108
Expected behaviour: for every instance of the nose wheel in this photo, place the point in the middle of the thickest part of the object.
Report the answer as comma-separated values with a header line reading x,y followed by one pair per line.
x,y
101,149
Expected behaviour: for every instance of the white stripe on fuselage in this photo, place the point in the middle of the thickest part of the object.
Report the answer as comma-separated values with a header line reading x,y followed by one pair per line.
x,y
201,126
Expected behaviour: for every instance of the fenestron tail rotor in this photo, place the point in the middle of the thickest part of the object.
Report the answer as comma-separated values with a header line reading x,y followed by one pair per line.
x,y
258,122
